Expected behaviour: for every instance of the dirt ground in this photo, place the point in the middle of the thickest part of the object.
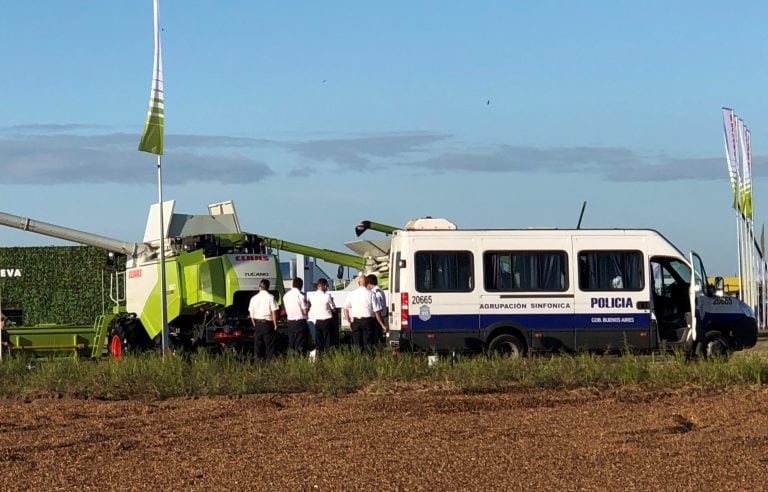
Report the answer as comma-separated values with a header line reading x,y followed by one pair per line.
x,y
412,438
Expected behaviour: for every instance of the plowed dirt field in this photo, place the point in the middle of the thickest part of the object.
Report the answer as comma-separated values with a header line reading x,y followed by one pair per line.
x,y
412,438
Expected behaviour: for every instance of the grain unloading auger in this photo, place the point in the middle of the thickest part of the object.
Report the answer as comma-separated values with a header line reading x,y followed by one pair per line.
x,y
212,270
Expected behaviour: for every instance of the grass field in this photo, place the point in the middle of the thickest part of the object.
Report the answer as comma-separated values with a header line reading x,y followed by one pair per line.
x,y
151,376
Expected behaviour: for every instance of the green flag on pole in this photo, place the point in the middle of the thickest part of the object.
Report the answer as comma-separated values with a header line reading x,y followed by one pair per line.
x,y
152,138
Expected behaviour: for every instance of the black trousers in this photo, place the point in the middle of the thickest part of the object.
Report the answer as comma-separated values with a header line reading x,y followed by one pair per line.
x,y
297,330
335,342
323,333
362,333
263,340
378,334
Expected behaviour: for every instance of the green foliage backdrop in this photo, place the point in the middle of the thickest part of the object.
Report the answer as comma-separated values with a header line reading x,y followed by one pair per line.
x,y
58,284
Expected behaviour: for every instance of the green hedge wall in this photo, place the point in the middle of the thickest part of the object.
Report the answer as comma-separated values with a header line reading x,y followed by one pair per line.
x,y
58,284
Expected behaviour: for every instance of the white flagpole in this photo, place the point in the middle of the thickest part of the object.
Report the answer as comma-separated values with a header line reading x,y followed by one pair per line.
x,y
163,301
744,272
738,255
750,269
752,264
152,141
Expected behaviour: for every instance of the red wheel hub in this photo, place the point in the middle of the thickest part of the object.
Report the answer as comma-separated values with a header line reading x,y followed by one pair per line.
x,y
116,346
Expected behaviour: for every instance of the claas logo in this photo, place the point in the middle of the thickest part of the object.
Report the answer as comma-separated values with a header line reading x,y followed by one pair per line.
x,y
252,258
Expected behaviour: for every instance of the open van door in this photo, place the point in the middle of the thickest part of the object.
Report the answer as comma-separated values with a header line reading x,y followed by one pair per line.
x,y
697,289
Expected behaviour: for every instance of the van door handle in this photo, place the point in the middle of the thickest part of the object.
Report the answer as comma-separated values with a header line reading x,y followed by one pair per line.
x,y
643,305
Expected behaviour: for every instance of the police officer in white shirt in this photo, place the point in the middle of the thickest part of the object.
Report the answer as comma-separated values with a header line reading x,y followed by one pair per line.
x,y
262,310
362,310
296,311
372,283
321,314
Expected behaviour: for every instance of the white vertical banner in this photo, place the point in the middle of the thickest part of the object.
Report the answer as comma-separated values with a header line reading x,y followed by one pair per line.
x,y
731,154
732,160
750,264
749,246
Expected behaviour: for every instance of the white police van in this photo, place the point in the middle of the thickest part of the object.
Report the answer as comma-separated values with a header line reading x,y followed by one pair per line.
x,y
520,291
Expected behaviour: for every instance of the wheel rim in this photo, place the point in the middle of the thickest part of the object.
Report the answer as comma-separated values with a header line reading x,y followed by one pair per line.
x,y
116,347
508,349
716,349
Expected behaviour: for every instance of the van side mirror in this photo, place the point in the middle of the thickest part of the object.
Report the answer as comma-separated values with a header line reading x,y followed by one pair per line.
x,y
719,287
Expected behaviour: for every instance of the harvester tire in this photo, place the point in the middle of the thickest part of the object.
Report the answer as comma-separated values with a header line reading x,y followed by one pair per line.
x,y
118,344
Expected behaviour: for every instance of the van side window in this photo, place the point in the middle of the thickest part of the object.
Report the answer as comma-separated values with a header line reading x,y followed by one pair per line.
x,y
525,270
444,271
611,270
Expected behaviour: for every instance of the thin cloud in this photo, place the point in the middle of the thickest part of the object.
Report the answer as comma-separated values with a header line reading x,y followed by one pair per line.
x,y
48,155
48,128
365,150
507,158
300,172
113,158
616,164
214,141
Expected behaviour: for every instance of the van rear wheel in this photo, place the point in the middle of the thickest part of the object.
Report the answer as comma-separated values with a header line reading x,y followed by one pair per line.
x,y
507,346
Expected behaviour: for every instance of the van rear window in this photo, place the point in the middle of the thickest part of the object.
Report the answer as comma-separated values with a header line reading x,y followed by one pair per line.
x,y
611,270
510,271
444,271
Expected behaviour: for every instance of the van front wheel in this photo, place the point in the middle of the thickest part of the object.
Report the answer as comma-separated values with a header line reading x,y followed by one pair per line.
x,y
507,346
716,346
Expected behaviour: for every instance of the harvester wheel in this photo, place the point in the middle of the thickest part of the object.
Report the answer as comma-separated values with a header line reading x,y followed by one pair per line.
x,y
117,342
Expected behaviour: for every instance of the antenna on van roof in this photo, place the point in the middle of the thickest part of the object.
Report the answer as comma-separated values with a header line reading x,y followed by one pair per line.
x,y
581,215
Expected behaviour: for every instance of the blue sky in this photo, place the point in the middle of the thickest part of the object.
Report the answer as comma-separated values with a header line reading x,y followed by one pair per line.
x,y
315,115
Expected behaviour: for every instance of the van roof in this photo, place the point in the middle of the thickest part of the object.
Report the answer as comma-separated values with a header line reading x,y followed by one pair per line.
x,y
530,233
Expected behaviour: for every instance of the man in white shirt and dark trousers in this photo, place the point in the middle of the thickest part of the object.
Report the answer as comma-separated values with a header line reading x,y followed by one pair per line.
x,y
262,310
372,283
296,311
363,311
321,314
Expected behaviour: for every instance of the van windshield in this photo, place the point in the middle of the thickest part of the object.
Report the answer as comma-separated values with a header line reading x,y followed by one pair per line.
x,y
682,269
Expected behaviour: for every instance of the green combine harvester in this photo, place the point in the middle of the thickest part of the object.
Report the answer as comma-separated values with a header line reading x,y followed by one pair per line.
x,y
212,270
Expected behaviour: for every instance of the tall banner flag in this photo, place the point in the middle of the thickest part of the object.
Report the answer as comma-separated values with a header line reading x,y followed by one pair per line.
x,y
731,154
747,194
152,138
152,141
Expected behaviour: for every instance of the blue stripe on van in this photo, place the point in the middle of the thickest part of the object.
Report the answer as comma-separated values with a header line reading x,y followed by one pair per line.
x,y
472,322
